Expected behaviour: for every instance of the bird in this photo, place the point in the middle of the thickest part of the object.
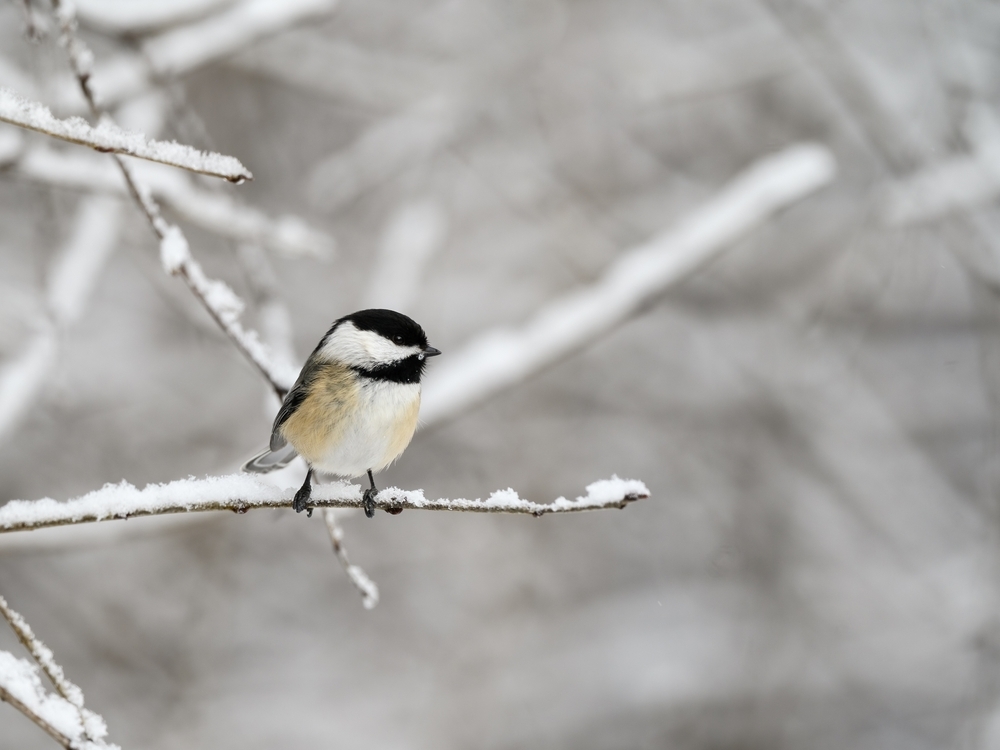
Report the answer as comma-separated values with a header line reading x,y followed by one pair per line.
x,y
353,409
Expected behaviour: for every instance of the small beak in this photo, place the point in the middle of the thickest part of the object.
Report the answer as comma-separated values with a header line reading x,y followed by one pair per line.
x,y
430,351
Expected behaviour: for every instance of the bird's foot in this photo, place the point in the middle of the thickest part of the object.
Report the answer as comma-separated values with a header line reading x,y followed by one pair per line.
x,y
369,501
301,501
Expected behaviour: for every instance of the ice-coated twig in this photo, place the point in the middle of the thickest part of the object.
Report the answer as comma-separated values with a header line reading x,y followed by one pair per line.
x,y
365,585
64,716
221,214
502,357
190,46
219,300
109,138
70,284
243,492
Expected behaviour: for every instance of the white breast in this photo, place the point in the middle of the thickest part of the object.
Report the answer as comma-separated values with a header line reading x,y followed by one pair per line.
x,y
385,421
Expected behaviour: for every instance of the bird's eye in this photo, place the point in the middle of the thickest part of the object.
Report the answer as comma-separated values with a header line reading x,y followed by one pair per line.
x,y
398,339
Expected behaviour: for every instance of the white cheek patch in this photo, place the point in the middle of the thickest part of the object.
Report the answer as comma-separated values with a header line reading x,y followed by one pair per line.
x,y
365,349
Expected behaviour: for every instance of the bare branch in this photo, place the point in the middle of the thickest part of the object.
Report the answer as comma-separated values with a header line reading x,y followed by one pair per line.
x,y
242,492
365,585
109,138
502,357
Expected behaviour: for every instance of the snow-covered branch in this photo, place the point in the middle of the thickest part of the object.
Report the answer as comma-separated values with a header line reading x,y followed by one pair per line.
x,y
242,492
219,213
62,716
109,138
502,357
216,297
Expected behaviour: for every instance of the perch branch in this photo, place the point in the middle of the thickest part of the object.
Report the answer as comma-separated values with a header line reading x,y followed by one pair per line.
x,y
242,492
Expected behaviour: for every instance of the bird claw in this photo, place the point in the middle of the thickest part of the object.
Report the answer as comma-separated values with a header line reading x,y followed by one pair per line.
x,y
301,501
369,501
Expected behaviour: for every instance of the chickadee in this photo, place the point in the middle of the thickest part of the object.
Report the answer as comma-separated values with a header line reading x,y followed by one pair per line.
x,y
353,409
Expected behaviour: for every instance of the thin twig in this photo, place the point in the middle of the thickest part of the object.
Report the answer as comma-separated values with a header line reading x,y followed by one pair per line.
x,y
365,585
243,492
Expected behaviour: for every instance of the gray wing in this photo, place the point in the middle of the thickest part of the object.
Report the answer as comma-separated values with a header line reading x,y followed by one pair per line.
x,y
292,402
270,460
280,453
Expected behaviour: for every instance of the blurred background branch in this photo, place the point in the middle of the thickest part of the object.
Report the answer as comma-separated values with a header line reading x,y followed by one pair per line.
x,y
813,401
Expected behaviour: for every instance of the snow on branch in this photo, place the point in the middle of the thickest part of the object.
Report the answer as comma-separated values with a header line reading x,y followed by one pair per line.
x,y
502,357
109,138
219,213
218,299
62,716
242,492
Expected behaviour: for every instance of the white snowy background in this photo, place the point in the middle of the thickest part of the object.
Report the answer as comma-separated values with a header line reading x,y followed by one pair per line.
x,y
744,251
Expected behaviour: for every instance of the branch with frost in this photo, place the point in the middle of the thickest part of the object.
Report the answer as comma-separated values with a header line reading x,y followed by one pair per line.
x,y
225,307
243,492
109,138
70,284
191,46
365,585
218,213
217,298
63,716
502,357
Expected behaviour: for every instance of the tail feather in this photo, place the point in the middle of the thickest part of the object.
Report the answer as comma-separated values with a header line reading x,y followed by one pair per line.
x,y
270,460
